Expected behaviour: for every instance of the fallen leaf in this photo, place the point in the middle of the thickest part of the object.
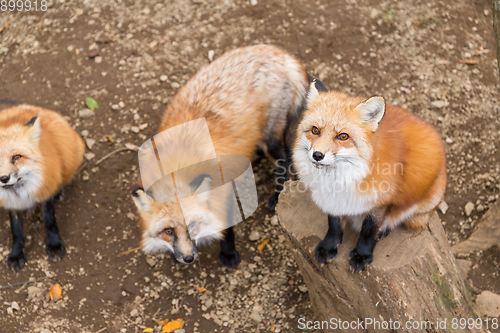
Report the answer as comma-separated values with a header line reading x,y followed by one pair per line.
x,y
162,322
173,325
55,292
148,330
110,139
470,61
201,290
91,103
261,245
481,51
131,146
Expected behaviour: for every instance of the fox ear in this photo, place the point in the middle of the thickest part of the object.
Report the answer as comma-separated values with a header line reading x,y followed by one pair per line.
x,y
141,199
34,129
201,184
372,111
316,87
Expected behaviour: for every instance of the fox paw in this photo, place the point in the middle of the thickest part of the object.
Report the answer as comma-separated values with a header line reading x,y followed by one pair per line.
x,y
16,261
383,234
56,251
229,260
325,252
273,201
359,261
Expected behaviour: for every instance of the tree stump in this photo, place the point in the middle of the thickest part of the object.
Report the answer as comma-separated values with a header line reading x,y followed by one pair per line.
x,y
496,26
413,278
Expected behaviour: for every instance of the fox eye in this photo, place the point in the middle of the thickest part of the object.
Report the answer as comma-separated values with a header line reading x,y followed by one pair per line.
x,y
15,158
343,136
169,231
315,130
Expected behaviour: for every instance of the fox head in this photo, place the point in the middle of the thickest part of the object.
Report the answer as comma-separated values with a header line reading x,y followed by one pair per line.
x,y
176,227
19,156
336,133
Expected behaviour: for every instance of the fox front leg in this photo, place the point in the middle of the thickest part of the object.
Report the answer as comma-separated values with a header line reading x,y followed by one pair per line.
x,y
229,256
362,255
283,162
327,248
17,258
55,247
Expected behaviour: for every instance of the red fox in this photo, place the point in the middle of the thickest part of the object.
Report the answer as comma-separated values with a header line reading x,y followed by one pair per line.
x,y
245,96
377,165
39,153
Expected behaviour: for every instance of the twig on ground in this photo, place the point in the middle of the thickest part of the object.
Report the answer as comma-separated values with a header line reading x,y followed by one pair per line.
x,y
129,251
110,154
22,283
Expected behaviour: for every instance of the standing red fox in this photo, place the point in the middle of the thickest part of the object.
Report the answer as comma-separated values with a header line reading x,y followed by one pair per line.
x,y
379,166
245,96
39,153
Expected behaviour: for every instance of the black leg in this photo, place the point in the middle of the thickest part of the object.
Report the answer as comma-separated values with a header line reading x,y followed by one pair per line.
x,y
229,257
362,255
55,247
283,174
276,150
16,259
59,195
327,248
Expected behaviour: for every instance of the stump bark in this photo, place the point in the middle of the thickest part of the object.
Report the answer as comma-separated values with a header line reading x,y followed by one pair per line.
x,y
496,27
413,277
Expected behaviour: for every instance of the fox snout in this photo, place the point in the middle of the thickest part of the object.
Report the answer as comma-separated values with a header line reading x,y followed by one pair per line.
x,y
318,156
185,250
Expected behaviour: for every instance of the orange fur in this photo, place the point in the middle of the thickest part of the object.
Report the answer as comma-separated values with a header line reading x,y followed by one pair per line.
x,y
245,97
405,156
59,151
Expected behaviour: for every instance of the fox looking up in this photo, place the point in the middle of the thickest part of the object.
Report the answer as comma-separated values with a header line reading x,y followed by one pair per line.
x,y
246,97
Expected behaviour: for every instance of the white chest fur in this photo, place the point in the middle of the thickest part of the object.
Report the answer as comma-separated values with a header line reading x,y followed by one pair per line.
x,y
23,195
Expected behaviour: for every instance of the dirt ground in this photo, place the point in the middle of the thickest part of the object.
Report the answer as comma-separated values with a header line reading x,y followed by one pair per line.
x,y
132,56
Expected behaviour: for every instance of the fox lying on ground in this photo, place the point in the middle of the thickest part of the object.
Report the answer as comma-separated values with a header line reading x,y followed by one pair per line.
x,y
245,96
377,165
39,153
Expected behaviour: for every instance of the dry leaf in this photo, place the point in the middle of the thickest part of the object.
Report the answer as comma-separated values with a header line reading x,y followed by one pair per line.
x,y
110,139
201,290
261,245
162,322
148,330
131,146
55,292
173,325
481,51
470,61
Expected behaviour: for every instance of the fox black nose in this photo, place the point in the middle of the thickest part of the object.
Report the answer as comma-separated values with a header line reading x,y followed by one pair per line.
x,y
5,179
318,156
189,259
